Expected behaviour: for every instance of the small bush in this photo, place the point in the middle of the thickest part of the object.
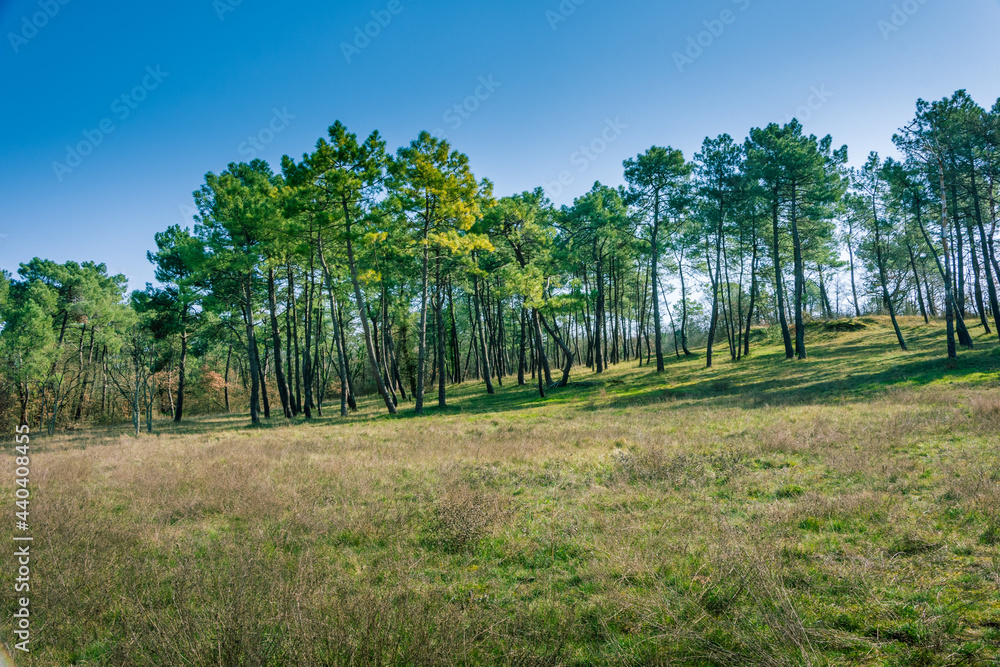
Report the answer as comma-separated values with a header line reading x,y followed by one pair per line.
x,y
991,536
464,516
849,324
789,491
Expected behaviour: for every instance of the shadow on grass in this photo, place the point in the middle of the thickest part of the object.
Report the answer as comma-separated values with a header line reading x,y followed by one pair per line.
x,y
842,367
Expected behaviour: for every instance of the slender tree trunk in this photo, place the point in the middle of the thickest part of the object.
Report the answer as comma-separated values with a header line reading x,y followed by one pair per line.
x,y
599,344
985,248
567,353
930,295
850,253
86,375
317,364
272,304
298,356
338,341
882,276
307,340
684,306
352,395
946,273
715,278
24,394
392,372
800,328
728,311
977,292
382,356
482,339
824,296
422,331
959,249
521,356
439,316
916,277
654,274
538,351
753,291
456,352
359,298
225,386
673,327
290,374
778,286
263,381
588,326
251,350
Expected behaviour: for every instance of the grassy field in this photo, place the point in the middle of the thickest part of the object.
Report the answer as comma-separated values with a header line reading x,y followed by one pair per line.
x,y
844,510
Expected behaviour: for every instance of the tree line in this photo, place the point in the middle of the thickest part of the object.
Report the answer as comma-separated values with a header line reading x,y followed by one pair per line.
x,y
355,270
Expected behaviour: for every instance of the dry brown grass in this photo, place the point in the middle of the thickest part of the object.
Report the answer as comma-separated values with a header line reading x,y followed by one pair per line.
x,y
619,525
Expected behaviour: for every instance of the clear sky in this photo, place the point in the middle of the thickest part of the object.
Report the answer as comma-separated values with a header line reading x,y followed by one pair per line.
x,y
189,86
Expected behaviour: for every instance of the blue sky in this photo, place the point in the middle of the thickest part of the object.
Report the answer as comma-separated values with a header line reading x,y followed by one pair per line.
x,y
187,87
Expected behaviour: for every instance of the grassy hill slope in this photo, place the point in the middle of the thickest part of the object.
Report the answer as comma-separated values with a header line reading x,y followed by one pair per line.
x,y
841,510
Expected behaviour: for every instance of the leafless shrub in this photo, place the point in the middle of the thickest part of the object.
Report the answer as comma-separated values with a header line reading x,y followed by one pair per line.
x,y
986,412
463,516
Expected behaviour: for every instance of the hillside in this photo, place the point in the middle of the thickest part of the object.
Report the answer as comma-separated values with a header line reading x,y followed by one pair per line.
x,y
840,510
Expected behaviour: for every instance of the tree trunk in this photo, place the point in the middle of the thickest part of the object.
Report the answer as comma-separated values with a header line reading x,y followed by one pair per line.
x,y
799,269
307,341
251,350
338,341
916,277
753,292
654,273
539,350
422,330
521,356
684,306
778,287
598,315
882,277
715,289
362,309
225,387
352,394
456,352
439,317
985,248
263,380
850,253
295,339
279,373
567,353
482,339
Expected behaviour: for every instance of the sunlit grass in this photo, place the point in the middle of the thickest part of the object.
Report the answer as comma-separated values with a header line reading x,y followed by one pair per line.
x,y
842,510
